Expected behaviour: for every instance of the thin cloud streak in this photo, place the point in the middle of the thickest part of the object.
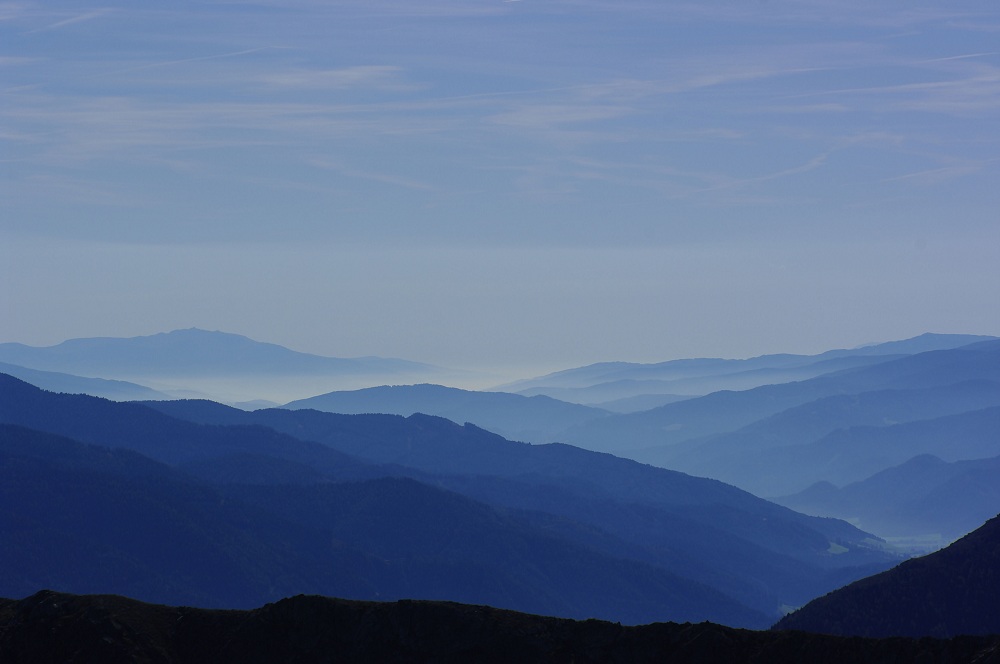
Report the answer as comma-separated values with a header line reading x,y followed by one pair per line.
x,y
80,18
375,177
202,58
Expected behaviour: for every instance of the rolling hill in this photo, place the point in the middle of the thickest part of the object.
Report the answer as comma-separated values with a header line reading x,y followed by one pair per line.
x,y
537,419
53,381
191,352
761,554
197,363
924,498
608,381
94,519
648,435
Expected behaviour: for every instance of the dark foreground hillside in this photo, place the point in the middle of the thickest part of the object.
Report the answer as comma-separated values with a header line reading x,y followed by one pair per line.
x,y
55,627
953,591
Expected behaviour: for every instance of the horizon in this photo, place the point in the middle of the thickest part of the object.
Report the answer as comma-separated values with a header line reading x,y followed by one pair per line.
x,y
477,378
501,184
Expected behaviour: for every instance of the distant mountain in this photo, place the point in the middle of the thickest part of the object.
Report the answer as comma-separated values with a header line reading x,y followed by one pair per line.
x,y
639,434
532,419
758,457
639,402
161,437
117,630
922,498
691,386
852,454
227,367
953,591
117,390
618,380
923,343
191,352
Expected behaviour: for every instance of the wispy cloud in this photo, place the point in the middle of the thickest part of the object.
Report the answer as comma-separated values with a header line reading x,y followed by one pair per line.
x,y
72,20
384,178
201,58
937,175
548,116
961,96
378,76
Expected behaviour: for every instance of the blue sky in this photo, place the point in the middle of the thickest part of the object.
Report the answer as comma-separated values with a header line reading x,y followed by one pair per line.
x,y
525,184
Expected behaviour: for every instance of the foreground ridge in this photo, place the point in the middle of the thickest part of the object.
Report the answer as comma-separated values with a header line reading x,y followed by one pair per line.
x,y
951,591
51,626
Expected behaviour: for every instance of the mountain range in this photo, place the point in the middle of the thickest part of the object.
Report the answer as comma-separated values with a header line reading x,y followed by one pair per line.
x,y
221,365
836,429
598,384
939,608
650,435
424,492
503,519
921,495
538,419
92,519
191,352
875,408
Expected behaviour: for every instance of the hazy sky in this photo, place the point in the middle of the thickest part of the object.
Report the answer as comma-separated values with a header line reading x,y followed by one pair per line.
x,y
536,183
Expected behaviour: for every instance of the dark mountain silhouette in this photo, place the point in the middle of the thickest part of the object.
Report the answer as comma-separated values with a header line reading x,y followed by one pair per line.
x,y
949,592
923,498
88,518
535,419
714,534
117,390
93,519
638,435
191,352
57,627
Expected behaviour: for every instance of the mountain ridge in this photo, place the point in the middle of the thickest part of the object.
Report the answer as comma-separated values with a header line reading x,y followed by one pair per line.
x,y
684,369
638,434
949,592
55,626
537,419
94,519
190,351
789,553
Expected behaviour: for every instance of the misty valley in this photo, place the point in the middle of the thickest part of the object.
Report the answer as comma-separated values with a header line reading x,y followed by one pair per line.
x,y
160,495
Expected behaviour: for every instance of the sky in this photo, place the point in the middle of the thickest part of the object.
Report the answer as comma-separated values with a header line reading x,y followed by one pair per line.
x,y
522,184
